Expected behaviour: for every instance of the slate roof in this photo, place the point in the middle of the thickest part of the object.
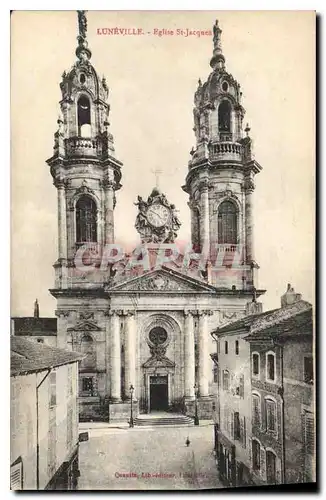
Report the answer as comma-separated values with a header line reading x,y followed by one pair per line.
x,y
27,356
30,326
298,324
267,320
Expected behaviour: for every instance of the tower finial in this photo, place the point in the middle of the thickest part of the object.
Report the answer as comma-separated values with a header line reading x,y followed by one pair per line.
x,y
82,52
218,59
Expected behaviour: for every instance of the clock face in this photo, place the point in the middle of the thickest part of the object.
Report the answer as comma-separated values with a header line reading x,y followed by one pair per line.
x,y
158,215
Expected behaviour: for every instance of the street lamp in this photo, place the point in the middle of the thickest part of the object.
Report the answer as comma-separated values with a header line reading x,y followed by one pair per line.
x,y
196,419
131,421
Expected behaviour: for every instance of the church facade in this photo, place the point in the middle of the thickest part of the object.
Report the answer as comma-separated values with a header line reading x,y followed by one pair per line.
x,y
143,320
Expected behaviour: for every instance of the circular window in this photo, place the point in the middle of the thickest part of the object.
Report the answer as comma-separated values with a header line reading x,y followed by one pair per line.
x,y
225,86
158,335
82,78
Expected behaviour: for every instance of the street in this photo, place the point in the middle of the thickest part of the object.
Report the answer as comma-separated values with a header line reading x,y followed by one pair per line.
x,y
154,458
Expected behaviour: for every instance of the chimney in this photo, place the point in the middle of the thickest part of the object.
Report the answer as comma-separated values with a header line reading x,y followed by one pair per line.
x,y
36,309
290,296
254,307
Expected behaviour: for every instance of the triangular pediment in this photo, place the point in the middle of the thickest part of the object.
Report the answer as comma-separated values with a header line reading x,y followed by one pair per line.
x,y
85,326
162,280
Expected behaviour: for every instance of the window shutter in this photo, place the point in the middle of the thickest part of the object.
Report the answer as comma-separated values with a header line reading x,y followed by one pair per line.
x,y
263,463
278,471
309,433
250,450
225,419
16,476
241,383
243,431
232,424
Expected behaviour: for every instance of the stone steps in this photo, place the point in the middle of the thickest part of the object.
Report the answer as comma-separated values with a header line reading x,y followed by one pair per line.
x,y
175,421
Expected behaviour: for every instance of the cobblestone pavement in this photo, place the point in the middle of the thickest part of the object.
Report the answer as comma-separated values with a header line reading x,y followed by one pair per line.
x,y
148,458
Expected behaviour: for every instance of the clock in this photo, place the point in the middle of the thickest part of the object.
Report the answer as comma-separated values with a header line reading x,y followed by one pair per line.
x,y
158,215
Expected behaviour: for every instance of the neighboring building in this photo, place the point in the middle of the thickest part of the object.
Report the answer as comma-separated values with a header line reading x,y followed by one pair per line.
x,y
283,394
42,330
150,329
233,412
279,410
44,417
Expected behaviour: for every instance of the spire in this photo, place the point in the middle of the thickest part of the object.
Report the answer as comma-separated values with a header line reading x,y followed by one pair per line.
x,y
82,52
218,59
36,309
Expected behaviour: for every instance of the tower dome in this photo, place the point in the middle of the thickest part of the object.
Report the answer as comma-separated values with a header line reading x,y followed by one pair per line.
x,y
221,171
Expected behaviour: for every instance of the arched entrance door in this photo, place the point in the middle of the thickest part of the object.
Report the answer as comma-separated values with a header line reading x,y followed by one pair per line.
x,y
158,390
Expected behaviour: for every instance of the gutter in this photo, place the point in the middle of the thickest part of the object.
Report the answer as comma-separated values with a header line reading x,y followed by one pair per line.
x,y
37,432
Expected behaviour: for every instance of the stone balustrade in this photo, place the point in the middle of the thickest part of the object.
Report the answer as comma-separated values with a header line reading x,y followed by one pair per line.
x,y
226,151
83,146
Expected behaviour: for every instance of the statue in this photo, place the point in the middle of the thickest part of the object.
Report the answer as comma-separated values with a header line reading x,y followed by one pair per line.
x,y
82,23
141,221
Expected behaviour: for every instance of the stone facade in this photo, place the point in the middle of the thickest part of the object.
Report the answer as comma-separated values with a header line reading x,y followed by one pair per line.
x,y
147,328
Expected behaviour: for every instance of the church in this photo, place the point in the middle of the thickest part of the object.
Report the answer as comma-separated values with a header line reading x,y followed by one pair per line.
x,y
143,320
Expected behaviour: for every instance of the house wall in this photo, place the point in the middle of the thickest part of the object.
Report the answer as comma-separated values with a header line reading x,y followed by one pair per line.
x,y
23,426
260,385
57,426
228,401
56,444
298,398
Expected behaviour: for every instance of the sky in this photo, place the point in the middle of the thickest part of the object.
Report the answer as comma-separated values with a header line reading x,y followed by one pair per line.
x,y
152,81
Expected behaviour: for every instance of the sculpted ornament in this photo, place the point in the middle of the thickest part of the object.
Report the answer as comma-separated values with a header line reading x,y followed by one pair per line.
x,y
157,220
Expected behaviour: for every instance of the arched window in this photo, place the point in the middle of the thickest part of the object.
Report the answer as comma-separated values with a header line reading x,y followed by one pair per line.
x,y
255,455
270,467
270,366
224,117
86,230
84,116
270,412
255,364
227,223
87,348
256,410
226,380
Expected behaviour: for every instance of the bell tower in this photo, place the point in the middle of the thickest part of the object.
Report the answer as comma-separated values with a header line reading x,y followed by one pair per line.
x,y
84,168
220,179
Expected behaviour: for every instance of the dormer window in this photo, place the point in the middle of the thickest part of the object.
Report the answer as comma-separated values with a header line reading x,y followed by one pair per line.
x,y
82,78
84,116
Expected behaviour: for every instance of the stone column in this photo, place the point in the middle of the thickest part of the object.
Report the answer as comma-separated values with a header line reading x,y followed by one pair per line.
x,y
109,212
249,223
115,357
189,355
204,217
130,354
203,353
62,221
